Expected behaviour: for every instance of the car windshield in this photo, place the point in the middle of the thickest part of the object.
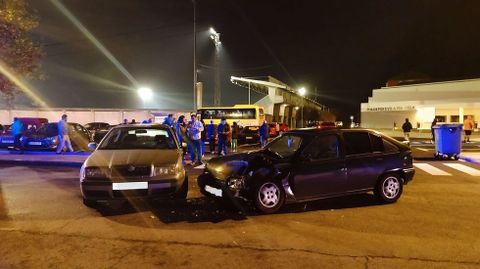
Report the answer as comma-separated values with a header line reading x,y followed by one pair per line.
x,y
48,130
285,145
139,138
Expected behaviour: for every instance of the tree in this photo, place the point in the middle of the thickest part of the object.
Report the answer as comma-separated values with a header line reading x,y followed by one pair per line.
x,y
17,50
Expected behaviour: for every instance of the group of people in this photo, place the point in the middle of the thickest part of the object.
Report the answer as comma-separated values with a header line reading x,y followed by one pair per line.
x,y
195,133
468,127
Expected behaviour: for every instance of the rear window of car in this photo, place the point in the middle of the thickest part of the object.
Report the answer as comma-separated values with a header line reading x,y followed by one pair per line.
x,y
357,143
377,143
389,146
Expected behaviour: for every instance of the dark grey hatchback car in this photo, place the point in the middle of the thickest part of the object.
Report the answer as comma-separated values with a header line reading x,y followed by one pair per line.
x,y
311,164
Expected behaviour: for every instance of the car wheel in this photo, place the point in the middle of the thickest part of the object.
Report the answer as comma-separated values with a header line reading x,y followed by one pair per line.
x,y
269,197
183,191
389,188
90,203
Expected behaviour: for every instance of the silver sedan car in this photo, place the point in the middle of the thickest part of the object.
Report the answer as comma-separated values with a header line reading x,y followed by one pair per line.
x,y
134,161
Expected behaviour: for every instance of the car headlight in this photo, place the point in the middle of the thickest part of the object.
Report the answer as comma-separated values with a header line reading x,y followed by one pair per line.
x,y
95,172
166,170
235,183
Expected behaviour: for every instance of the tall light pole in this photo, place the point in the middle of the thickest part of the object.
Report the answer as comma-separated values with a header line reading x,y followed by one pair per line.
x,y
217,92
302,91
194,55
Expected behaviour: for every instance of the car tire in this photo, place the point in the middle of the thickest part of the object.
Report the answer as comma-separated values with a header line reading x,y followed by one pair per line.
x,y
269,197
389,188
90,203
183,191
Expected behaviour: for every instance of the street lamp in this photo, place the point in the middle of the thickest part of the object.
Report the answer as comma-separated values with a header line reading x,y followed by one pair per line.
x,y
145,93
302,91
216,40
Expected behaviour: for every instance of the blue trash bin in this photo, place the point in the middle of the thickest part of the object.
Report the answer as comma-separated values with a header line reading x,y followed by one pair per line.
x,y
448,140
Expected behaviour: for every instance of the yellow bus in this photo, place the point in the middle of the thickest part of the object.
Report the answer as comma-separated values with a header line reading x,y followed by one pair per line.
x,y
244,115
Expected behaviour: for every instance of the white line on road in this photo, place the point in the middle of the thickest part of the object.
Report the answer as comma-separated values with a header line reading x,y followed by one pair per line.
x,y
200,167
432,170
463,168
422,149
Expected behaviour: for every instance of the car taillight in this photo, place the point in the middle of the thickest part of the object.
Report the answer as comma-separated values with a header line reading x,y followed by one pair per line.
x,y
407,160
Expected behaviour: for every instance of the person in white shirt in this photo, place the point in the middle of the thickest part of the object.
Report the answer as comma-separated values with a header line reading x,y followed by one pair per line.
x,y
63,137
196,130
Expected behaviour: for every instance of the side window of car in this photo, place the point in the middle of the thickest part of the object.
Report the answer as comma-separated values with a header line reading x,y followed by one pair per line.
x,y
377,143
322,148
357,143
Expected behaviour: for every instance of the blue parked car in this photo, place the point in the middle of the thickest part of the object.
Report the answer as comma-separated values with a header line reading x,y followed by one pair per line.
x,y
46,137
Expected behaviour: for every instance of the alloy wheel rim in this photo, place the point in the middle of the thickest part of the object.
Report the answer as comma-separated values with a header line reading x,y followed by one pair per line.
x,y
269,195
391,187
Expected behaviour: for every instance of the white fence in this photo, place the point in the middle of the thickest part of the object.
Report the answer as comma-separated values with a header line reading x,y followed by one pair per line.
x,y
84,115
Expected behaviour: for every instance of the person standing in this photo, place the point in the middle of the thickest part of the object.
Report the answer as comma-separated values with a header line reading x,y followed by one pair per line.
x,y
434,122
203,136
63,137
263,133
222,137
168,120
17,129
196,134
211,134
468,128
235,131
407,128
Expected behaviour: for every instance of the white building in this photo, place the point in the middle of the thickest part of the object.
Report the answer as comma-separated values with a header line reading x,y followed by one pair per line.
x,y
449,101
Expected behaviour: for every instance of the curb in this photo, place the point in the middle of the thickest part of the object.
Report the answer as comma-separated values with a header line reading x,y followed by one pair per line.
x,y
41,163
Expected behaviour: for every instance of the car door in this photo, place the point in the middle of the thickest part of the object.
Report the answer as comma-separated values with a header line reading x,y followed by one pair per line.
x,y
364,165
320,169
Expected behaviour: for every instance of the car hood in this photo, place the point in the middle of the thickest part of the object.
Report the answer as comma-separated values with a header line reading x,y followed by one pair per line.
x,y
109,158
224,167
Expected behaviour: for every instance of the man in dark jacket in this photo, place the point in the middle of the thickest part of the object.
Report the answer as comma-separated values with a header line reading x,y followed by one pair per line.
x,y
211,133
407,128
17,129
222,137
263,132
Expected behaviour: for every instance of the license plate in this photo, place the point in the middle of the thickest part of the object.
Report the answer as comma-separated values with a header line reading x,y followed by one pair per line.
x,y
249,137
130,186
7,141
214,191
35,143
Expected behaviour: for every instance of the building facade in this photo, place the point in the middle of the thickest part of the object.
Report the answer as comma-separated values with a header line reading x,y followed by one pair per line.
x,y
449,102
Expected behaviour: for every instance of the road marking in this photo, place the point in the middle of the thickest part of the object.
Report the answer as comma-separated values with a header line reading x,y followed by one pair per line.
x,y
422,149
200,167
463,168
432,170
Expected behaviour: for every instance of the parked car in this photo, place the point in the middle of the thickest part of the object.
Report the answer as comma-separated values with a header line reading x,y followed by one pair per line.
x,y
46,137
282,127
311,164
98,130
249,135
134,161
29,124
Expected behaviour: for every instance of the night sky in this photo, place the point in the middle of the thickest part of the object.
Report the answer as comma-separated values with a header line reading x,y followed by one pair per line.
x,y
344,48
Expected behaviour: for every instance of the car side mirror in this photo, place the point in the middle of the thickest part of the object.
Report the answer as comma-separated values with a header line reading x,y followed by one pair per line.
x,y
92,145
184,145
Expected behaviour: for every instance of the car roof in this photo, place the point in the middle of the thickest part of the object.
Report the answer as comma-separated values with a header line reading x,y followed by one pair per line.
x,y
142,125
316,130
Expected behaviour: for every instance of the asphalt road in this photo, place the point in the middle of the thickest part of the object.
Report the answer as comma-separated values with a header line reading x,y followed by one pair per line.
x,y
435,224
